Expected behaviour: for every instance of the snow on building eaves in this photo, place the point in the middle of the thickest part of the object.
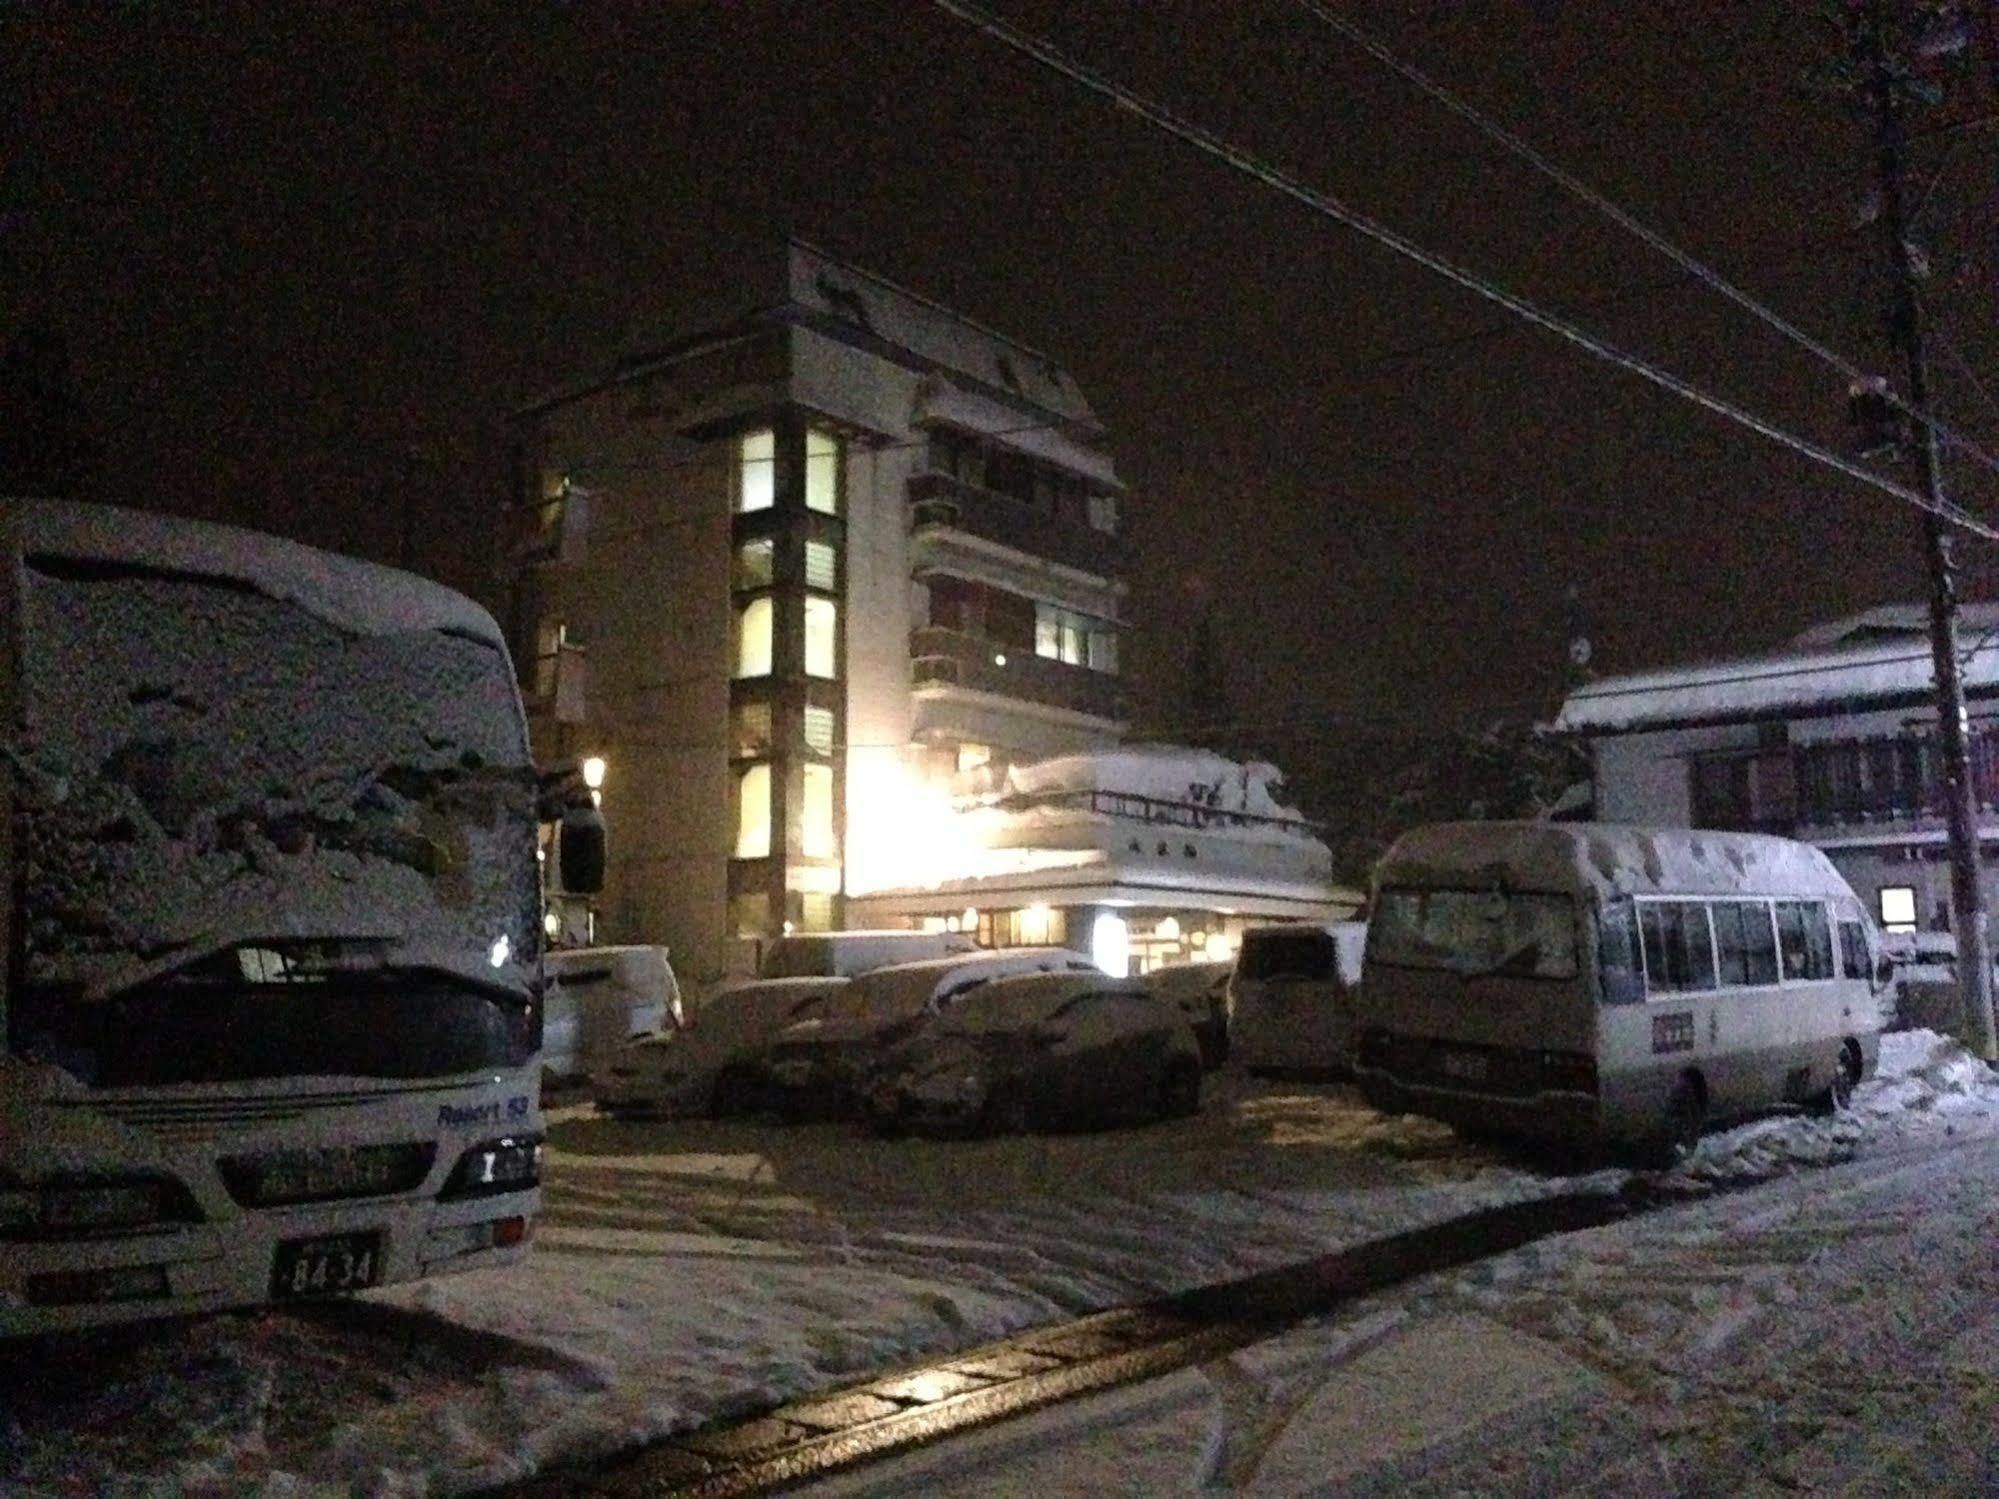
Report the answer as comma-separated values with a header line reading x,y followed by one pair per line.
x,y
1877,660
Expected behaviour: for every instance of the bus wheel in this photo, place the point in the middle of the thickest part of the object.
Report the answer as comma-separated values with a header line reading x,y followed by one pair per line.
x,y
1838,1094
1686,1117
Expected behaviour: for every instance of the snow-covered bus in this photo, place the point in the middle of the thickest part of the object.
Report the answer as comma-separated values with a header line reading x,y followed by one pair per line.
x,y
1586,982
271,1001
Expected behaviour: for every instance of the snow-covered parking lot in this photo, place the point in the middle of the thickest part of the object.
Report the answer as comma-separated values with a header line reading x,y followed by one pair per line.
x,y
687,1271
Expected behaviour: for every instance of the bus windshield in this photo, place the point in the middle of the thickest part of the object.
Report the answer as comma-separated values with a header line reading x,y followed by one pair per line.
x,y
1474,932
231,812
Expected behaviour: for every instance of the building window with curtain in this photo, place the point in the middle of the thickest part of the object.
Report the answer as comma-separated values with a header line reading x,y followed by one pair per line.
x,y
822,471
754,621
816,824
753,812
822,634
756,470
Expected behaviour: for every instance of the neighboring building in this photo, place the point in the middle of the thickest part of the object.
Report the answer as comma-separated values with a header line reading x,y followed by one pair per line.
x,y
819,554
1832,739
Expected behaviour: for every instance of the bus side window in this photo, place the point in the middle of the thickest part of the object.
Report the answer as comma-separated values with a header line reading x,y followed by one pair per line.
x,y
1745,942
1618,975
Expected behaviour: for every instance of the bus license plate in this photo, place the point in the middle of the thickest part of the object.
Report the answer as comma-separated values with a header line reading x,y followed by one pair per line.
x,y
1465,1066
321,1267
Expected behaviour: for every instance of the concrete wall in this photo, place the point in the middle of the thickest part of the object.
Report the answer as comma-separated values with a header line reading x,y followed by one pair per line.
x,y
651,605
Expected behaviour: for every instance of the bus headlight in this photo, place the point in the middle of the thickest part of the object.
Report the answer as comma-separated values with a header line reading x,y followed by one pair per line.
x,y
512,1164
82,1208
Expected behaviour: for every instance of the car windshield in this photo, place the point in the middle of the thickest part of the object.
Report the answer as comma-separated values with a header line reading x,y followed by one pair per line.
x,y
218,788
1474,932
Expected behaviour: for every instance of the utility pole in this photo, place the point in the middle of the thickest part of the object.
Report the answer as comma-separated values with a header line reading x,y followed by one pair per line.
x,y
1905,330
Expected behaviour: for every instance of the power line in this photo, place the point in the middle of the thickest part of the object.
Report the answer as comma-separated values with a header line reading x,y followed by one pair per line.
x,y
1579,189
1158,115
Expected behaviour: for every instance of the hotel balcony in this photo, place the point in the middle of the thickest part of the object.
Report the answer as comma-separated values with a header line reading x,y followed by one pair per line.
x,y
946,659
942,504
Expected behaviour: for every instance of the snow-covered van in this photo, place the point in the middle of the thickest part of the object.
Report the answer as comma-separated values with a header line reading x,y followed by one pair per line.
x,y
845,954
270,1006
1291,996
1590,982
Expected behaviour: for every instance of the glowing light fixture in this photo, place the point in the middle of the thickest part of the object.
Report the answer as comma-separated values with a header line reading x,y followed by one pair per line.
x,y
999,658
501,950
1035,922
593,772
1110,945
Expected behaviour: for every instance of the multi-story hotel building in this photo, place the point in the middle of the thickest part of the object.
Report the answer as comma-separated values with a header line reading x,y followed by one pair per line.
x,y
792,570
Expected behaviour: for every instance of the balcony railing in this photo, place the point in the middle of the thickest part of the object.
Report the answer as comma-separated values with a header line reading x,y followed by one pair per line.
x,y
952,658
943,502
1892,779
1129,806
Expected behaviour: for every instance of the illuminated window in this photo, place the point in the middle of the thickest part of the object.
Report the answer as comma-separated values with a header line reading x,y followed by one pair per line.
x,y
753,637
1063,635
816,825
756,470
753,563
972,756
750,729
1898,908
549,505
822,630
550,638
822,471
819,730
753,812
1103,512
822,566
815,911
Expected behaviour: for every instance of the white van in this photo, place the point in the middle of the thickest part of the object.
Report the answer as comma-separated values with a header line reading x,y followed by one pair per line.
x,y
1582,981
597,999
1291,997
844,954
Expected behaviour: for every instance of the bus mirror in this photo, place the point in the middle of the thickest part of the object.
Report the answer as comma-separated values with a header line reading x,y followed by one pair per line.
x,y
580,850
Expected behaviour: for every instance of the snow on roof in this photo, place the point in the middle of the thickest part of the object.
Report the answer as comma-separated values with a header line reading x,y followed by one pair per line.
x,y
1607,859
358,597
1867,659
1163,772
938,400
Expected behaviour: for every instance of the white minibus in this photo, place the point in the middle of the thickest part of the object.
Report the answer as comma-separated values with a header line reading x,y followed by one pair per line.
x,y
1587,982
271,1004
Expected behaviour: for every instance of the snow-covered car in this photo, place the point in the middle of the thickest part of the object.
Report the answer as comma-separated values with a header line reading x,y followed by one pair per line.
x,y
597,999
1200,993
1040,1051
813,1067
707,1066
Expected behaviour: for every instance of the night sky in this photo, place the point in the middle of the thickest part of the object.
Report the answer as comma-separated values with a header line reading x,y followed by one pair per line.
x,y
307,263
